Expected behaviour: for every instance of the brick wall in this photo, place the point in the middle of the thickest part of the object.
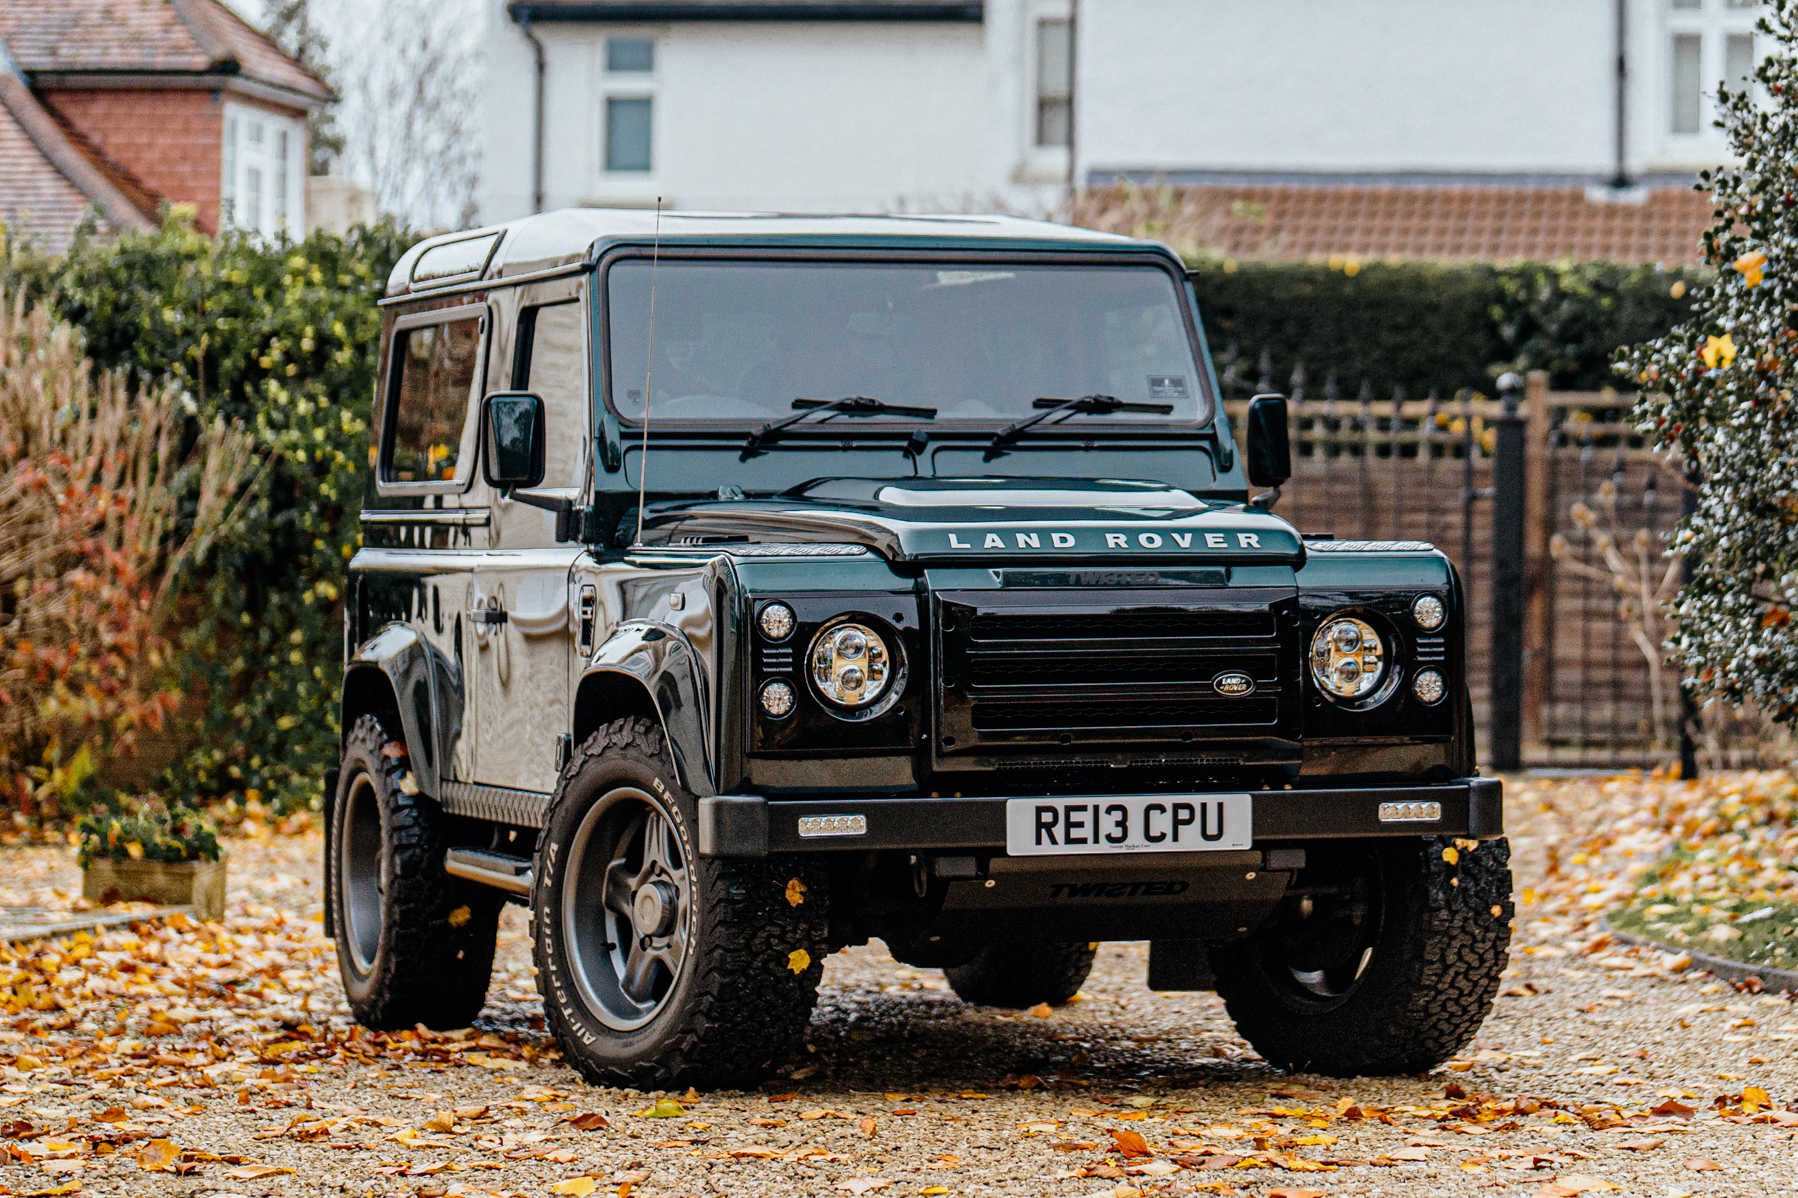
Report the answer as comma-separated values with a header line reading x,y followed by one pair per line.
x,y
173,140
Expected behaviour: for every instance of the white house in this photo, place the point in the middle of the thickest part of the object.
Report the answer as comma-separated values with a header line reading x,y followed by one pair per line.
x,y
908,105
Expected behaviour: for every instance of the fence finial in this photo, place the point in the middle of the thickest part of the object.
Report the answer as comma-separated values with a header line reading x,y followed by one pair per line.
x,y
1298,382
1267,372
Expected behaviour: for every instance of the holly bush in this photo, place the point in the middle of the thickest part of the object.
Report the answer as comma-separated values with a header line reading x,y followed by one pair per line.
x,y
280,337
1717,393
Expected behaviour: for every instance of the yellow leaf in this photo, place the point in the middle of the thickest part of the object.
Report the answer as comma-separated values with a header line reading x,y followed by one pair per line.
x,y
934,1190
1042,1010
158,1156
253,1172
799,960
1452,855
460,916
1752,266
665,1108
134,850
1719,352
795,892
580,1187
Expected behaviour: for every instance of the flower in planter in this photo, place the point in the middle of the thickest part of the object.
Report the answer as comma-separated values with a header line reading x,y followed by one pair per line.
x,y
153,832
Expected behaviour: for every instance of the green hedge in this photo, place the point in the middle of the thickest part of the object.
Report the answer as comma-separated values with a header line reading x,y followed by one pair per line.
x,y
282,337
1432,326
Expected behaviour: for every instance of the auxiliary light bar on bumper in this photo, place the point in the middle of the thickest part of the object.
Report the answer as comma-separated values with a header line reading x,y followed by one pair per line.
x,y
752,826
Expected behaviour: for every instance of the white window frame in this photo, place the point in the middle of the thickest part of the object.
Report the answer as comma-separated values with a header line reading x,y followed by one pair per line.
x,y
250,168
1042,164
1714,21
627,85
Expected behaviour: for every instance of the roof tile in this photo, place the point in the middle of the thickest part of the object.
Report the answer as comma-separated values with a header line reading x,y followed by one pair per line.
x,y
1468,223
195,36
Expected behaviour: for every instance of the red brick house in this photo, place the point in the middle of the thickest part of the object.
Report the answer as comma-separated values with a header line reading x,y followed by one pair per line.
x,y
125,104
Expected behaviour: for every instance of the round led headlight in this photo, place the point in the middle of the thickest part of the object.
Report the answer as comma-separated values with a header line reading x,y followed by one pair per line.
x,y
1348,659
850,665
1429,612
1429,687
776,621
777,698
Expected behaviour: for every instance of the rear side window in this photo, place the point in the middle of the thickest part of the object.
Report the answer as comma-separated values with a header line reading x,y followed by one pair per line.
x,y
432,380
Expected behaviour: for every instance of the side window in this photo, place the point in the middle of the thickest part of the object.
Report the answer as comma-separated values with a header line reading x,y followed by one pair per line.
x,y
552,361
431,379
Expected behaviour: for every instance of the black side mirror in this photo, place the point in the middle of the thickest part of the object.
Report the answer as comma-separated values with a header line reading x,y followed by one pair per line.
x,y
1269,461
515,439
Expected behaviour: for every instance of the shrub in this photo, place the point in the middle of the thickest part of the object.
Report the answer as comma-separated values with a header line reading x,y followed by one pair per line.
x,y
91,543
1427,326
281,336
1718,393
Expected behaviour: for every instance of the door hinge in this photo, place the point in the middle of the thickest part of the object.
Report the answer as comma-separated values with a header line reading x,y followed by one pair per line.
x,y
564,750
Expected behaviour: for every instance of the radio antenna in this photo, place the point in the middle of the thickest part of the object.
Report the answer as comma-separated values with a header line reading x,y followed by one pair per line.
x,y
649,370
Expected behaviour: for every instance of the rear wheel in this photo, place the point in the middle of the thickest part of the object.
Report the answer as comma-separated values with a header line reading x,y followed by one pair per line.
x,y
660,968
1382,959
414,945
1022,975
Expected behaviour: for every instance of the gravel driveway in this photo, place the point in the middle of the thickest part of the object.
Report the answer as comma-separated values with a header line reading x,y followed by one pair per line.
x,y
907,1091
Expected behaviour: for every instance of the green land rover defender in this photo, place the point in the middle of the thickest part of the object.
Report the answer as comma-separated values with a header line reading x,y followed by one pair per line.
x,y
737,588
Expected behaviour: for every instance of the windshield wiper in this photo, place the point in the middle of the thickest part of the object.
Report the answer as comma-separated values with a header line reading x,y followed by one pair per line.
x,y
849,405
1085,403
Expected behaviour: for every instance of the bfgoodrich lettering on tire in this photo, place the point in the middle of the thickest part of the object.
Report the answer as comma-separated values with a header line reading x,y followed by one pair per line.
x,y
1382,960
414,945
660,968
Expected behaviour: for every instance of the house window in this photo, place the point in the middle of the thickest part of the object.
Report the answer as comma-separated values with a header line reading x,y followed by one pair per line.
x,y
1054,82
1710,43
628,125
262,183
1738,61
1688,68
630,55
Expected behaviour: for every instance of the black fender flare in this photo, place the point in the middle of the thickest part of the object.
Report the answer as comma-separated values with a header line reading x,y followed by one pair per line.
x,y
424,690
658,660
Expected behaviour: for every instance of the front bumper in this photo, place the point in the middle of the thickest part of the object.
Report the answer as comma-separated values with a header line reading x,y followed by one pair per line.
x,y
752,826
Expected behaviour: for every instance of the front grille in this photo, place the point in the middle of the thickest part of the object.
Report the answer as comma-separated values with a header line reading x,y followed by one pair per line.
x,y
1092,667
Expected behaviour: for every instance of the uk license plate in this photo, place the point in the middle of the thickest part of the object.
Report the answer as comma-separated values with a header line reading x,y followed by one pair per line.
x,y
1128,824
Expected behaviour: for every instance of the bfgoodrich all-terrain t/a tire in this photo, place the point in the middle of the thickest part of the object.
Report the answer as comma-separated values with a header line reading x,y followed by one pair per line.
x,y
1384,962
1022,975
660,968
414,945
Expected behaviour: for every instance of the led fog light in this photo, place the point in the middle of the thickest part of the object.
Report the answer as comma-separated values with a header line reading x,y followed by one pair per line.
x,y
776,621
1429,687
777,698
1428,612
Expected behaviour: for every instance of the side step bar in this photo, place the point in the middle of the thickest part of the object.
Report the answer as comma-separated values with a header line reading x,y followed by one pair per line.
x,y
502,872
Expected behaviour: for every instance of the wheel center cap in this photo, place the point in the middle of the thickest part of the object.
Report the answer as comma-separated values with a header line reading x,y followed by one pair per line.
x,y
653,909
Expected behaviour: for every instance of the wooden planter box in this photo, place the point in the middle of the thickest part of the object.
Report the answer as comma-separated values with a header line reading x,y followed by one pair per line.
x,y
199,884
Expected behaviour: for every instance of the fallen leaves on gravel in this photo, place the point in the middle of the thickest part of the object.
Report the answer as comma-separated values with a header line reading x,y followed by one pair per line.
x,y
1574,1183
578,1187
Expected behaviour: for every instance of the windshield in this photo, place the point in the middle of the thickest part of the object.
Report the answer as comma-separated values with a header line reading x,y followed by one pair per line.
x,y
739,341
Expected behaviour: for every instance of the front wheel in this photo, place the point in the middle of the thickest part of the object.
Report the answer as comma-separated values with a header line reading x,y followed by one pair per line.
x,y
1382,959
659,968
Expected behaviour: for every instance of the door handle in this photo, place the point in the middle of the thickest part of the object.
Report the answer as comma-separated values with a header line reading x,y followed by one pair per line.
x,y
487,615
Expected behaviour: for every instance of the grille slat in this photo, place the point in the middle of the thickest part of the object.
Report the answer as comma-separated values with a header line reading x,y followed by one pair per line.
x,y
1112,713
1064,669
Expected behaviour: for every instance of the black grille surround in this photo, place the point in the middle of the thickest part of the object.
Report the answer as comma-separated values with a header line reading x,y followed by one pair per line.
x,y
1027,676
